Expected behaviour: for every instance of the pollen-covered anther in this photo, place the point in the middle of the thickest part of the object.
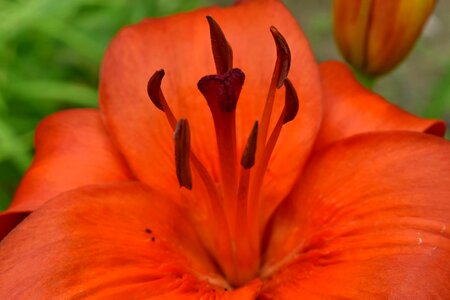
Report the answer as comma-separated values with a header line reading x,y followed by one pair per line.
x,y
222,91
182,139
222,52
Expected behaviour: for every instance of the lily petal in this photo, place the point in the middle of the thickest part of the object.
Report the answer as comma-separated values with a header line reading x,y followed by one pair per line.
x,y
349,109
72,149
181,46
370,217
116,241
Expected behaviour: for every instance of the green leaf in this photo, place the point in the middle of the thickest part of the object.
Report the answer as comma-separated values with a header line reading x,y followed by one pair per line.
x,y
13,148
54,91
4,199
84,44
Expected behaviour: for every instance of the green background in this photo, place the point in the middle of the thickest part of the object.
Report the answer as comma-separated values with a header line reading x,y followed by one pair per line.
x,y
50,53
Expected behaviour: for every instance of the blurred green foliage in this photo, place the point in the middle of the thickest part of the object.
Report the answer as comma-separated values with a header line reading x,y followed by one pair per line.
x,y
50,54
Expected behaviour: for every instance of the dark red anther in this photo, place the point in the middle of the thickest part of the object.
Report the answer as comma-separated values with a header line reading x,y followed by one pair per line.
x,y
283,56
182,137
248,157
222,91
291,102
222,52
154,88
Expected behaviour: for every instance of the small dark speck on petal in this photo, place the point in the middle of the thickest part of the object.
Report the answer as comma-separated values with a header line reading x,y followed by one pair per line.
x,y
148,230
153,238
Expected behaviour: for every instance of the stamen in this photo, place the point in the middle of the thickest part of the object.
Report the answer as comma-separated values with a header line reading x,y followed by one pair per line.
x,y
289,112
182,137
222,52
280,73
156,95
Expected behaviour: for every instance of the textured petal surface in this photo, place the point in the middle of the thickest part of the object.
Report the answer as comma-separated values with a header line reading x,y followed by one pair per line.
x,y
72,149
180,45
370,218
349,109
119,241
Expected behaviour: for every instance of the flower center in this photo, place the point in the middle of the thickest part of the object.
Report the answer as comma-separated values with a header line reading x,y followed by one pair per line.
x,y
234,202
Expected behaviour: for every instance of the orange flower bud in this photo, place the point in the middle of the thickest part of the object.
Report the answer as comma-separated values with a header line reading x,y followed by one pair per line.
x,y
376,35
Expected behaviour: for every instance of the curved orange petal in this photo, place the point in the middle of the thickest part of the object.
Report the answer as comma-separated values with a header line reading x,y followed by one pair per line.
x,y
72,149
181,46
116,241
371,216
349,109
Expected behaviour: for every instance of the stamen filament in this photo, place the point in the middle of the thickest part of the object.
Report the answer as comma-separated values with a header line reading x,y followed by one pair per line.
x,y
257,181
247,257
247,161
280,73
289,112
267,113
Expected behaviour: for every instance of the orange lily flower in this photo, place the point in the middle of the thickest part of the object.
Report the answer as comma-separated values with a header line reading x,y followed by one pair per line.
x,y
374,36
340,196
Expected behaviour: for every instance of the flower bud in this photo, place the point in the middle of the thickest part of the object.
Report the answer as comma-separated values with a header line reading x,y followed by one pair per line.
x,y
376,35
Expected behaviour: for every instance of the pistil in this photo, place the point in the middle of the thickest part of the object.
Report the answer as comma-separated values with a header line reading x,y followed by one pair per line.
x,y
222,93
222,51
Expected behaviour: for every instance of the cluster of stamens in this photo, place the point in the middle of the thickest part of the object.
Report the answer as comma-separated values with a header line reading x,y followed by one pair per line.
x,y
233,204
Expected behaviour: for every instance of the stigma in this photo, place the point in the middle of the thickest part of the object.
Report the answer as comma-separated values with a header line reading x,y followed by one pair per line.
x,y
234,199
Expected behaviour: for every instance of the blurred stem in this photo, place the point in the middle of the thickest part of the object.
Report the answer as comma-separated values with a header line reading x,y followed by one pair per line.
x,y
364,79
